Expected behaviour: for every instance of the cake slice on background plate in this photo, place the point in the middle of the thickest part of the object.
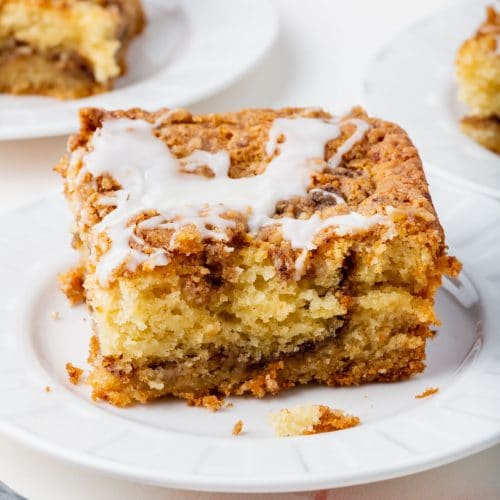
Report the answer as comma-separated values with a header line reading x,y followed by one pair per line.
x,y
65,48
478,75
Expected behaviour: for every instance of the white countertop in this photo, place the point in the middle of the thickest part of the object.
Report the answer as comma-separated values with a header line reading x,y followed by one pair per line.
x,y
319,59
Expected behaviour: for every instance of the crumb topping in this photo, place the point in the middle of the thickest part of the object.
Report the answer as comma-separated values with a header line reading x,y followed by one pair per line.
x,y
198,186
379,171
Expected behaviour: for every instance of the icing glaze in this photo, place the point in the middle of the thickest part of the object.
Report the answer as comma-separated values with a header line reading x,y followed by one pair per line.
x,y
152,179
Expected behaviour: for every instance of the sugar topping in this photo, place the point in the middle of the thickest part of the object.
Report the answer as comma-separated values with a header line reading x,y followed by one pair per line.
x,y
153,180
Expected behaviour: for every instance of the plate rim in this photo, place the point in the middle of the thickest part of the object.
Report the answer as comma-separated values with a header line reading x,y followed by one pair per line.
x,y
206,483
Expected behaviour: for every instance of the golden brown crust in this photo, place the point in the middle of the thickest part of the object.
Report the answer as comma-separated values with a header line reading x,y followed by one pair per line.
x,y
124,388
333,420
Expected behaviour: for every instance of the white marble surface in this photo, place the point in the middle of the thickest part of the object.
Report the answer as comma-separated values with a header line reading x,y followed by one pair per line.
x,y
319,59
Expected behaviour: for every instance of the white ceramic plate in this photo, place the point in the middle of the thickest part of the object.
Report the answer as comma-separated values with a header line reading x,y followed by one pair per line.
x,y
189,50
171,444
412,82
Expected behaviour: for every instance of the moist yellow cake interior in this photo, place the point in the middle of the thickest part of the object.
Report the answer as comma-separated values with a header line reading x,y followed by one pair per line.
x,y
478,71
163,314
82,26
478,75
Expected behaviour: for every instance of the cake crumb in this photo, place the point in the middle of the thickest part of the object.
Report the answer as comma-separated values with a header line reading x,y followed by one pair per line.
x,y
71,284
47,388
55,315
74,373
311,419
212,403
237,428
428,392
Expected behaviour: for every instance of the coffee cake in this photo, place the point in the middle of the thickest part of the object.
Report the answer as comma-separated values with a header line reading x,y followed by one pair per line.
x,y
249,252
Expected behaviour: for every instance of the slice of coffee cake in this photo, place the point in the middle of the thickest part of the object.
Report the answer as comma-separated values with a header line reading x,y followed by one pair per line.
x,y
65,48
478,75
249,252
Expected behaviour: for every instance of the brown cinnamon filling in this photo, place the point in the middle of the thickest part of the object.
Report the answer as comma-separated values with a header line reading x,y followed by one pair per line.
x,y
67,60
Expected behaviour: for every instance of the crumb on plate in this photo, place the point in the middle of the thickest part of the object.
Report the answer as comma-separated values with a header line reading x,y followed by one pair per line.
x,y
311,419
428,392
74,373
237,428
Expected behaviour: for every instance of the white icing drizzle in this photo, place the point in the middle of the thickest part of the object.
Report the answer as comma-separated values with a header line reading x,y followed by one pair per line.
x,y
218,163
154,180
117,198
301,233
207,220
300,264
361,129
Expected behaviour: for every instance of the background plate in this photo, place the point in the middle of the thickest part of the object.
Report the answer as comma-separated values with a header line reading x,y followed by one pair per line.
x,y
171,444
189,50
412,82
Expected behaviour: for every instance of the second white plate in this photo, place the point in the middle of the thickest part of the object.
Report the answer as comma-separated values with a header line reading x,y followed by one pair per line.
x,y
174,445
189,50
412,82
